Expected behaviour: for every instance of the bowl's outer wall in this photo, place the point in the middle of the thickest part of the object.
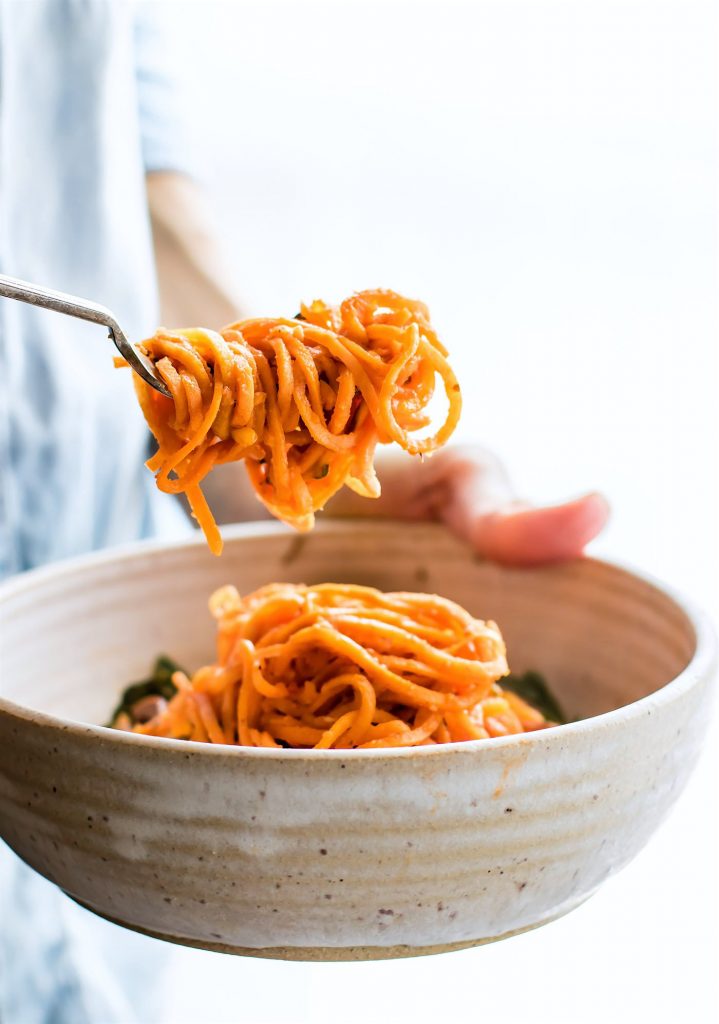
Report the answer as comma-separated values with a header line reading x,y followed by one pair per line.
x,y
436,847
422,851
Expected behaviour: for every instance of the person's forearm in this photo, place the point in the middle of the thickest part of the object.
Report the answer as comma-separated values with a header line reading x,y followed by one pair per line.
x,y
197,287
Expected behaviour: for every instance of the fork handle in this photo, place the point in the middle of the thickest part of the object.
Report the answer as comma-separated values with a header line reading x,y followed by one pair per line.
x,y
25,291
72,305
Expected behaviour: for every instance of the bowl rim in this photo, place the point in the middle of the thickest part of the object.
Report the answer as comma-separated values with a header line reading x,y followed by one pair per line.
x,y
702,662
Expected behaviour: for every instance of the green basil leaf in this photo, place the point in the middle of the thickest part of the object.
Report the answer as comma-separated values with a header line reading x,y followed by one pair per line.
x,y
532,687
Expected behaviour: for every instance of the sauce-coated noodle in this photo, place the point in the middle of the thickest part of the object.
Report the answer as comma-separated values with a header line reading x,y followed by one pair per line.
x,y
303,402
345,666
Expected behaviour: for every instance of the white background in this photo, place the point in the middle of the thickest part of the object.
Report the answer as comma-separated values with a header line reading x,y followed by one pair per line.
x,y
542,174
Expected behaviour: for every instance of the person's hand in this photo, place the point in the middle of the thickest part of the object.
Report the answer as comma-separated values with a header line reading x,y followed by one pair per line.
x,y
468,489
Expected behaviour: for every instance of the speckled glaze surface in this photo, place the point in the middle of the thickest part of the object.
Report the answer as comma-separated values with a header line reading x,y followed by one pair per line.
x,y
341,855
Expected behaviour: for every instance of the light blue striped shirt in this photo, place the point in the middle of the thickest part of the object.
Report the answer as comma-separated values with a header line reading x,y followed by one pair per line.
x,y
87,106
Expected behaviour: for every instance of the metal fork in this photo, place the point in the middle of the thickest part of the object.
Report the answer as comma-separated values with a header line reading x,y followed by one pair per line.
x,y
71,305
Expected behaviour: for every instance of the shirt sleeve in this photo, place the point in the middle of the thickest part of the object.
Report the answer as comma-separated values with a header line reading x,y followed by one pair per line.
x,y
165,133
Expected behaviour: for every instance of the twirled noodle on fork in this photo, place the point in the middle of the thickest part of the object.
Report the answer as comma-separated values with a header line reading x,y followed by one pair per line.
x,y
303,402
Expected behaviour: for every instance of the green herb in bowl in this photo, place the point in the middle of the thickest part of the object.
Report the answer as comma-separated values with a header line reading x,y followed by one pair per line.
x,y
142,701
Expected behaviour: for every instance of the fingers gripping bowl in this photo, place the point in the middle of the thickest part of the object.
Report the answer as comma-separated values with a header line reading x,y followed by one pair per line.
x,y
329,854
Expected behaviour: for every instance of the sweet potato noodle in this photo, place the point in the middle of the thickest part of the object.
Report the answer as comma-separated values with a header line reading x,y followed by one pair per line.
x,y
344,666
303,402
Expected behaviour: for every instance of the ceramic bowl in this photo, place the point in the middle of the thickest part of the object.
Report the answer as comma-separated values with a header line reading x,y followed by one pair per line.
x,y
341,854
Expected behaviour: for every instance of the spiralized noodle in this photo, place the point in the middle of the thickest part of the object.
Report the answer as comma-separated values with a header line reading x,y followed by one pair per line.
x,y
304,402
343,666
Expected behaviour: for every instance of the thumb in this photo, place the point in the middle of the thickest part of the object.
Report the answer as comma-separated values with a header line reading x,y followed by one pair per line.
x,y
520,535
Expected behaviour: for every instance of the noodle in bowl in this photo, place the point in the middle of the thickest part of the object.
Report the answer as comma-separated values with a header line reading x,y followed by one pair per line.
x,y
341,854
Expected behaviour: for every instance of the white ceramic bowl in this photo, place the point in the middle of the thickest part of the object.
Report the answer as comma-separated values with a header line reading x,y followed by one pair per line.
x,y
352,854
